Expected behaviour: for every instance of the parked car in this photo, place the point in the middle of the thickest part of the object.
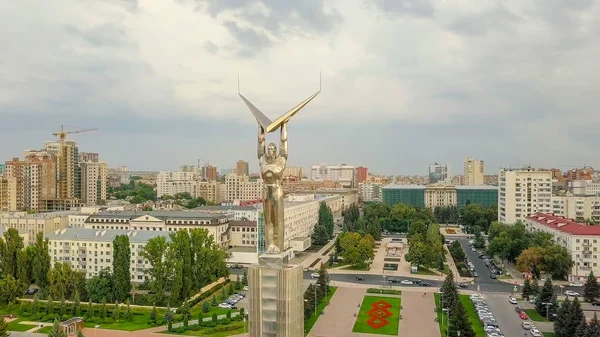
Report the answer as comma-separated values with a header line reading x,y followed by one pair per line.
x,y
493,276
575,284
360,278
246,288
596,304
512,300
523,315
475,274
425,284
406,282
473,249
417,282
518,309
314,275
462,285
571,293
394,280
526,325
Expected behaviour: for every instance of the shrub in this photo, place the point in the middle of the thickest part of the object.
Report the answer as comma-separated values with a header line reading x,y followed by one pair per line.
x,y
205,307
208,324
65,317
25,314
108,320
224,328
224,321
181,329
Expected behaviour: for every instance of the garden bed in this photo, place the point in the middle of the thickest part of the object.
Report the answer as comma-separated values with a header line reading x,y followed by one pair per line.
x,y
384,291
450,231
378,315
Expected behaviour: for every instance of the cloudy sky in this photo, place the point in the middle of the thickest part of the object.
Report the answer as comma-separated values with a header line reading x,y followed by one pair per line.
x,y
405,82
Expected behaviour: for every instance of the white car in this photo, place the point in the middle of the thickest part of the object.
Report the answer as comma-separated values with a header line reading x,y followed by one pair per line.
x,y
512,300
526,325
314,275
246,288
406,282
473,249
575,284
571,293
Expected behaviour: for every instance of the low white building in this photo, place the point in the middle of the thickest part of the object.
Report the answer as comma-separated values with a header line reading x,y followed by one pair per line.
x,y
90,250
580,239
370,192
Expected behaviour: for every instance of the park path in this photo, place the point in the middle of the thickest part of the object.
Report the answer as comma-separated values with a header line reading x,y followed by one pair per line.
x,y
419,319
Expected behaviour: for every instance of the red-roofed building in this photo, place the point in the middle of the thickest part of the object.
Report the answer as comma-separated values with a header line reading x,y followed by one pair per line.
x,y
580,239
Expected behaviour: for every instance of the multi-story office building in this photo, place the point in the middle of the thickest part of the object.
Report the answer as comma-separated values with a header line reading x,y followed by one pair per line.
x,y
29,225
240,187
473,172
301,215
88,157
189,168
458,180
584,187
163,221
349,196
90,250
94,182
580,239
434,195
8,193
293,173
171,183
370,192
243,234
438,172
362,173
209,190
242,168
523,192
343,174
579,207
307,186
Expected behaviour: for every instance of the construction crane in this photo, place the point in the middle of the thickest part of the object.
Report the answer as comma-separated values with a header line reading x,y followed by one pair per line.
x,y
63,134
205,161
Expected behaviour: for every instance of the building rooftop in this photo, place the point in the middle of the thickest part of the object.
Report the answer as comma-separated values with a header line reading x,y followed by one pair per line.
x,y
45,215
104,235
225,208
243,250
404,187
477,187
163,215
242,223
564,225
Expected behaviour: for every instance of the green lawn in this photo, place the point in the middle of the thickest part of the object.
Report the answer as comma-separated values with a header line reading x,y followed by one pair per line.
x,y
203,332
308,324
549,334
469,308
535,316
364,268
425,271
361,324
16,326
45,330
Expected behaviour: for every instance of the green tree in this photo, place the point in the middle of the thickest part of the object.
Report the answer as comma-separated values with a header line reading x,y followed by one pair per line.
x,y
323,279
103,309
179,256
320,235
326,218
41,263
153,314
10,289
546,295
13,244
155,252
356,250
479,241
417,251
591,288
3,328
351,216
557,260
116,312
449,293
416,227
80,333
61,280
49,306
121,268
57,330
76,304
206,307
22,269
129,314
213,301
245,278
90,309
101,286
63,307
527,291
459,322
230,290
535,287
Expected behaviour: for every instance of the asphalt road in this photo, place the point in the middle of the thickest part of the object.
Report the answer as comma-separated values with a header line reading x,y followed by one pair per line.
x,y
506,316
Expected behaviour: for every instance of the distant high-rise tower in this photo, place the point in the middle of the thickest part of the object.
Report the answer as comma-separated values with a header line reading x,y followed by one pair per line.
x,y
68,169
35,179
241,168
94,178
209,172
362,173
473,171
438,172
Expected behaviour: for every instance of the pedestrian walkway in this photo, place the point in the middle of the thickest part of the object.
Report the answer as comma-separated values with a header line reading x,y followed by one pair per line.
x,y
496,295
338,319
418,315
317,256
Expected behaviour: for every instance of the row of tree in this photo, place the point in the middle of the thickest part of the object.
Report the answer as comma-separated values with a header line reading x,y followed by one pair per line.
x,y
571,322
312,296
459,323
323,231
135,192
367,224
476,215
356,249
426,245
533,252
183,264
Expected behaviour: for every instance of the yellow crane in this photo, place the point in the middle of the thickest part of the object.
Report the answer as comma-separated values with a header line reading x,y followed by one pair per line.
x,y
62,135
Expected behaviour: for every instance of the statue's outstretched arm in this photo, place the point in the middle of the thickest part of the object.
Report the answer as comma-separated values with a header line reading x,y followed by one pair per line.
x,y
261,141
283,148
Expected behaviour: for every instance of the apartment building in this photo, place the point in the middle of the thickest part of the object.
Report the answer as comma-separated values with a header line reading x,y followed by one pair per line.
x,y
91,250
243,234
584,187
362,174
94,182
474,170
209,190
370,192
307,186
300,216
343,174
8,193
239,213
89,157
29,225
579,207
348,197
35,179
163,221
240,187
242,168
523,192
67,164
293,173
209,173
580,239
171,183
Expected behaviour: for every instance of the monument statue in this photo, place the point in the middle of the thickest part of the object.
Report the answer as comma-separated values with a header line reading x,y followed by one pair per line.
x,y
272,166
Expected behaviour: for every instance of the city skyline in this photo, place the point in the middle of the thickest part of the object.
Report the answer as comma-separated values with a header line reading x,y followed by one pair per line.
x,y
405,84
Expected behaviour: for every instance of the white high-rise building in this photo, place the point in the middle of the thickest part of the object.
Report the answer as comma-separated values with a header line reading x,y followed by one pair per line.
x,y
171,183
523,192
438,172
94,182
370,192
343,174
473,172
241,188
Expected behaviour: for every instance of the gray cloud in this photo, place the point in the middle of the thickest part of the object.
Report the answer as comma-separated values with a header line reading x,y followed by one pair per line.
x,y
251,39
103,35
210,47
418,8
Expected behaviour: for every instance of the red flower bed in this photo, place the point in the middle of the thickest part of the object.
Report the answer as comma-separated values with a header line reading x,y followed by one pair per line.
x,y
450,231
378,314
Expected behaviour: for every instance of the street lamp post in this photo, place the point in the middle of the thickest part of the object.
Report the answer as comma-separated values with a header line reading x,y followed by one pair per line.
x,y
547,304
96,330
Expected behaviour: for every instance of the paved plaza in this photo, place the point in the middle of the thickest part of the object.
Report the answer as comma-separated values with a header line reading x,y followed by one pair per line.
x,y
418,319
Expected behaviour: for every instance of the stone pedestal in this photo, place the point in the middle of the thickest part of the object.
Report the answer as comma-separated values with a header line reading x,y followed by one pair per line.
x,y
276,298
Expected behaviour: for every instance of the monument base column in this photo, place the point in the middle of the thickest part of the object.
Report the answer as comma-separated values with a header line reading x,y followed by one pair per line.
x,y
276,297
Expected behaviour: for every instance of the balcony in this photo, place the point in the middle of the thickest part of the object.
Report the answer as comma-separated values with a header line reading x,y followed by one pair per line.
x,y
587,255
